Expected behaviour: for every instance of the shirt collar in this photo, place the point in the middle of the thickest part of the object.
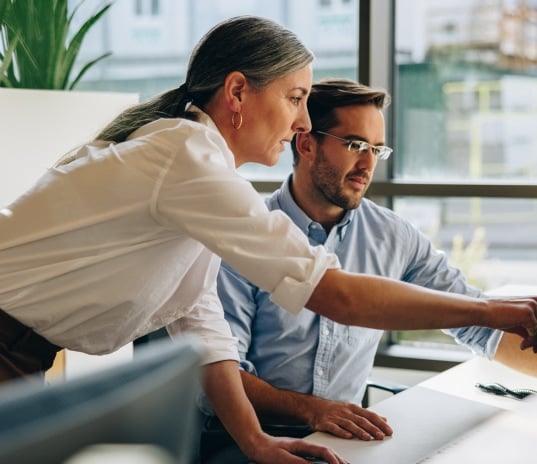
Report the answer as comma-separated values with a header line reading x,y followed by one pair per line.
x,y
205,120
300,218
203,117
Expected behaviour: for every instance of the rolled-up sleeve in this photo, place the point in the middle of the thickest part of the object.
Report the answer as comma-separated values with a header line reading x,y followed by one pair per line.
x,y
205,197
482,341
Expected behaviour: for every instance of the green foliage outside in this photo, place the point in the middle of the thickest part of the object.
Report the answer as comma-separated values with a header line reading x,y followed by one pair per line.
x,y
466,257
38,49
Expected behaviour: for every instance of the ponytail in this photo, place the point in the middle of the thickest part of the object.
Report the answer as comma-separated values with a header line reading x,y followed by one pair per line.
x,y
170,104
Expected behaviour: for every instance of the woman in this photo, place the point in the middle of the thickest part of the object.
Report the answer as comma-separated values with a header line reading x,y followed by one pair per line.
x,y
125,236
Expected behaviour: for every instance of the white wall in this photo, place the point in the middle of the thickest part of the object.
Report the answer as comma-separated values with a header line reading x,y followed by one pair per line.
x,y
36,128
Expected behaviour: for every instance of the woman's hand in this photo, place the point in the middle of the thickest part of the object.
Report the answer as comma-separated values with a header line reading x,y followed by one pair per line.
x,y
270,450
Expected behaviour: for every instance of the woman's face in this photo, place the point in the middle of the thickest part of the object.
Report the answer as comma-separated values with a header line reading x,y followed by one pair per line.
x,y
271,116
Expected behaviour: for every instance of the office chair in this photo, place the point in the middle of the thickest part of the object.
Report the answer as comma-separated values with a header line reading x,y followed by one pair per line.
x,y
383,385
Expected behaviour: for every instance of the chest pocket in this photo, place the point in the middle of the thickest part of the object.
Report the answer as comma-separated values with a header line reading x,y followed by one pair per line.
x,y
359,336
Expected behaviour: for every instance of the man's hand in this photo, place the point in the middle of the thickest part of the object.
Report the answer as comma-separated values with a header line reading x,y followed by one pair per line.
x,y
346,420
269,450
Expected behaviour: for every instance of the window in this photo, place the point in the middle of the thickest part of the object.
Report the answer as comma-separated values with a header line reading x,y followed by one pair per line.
x,y
147,7
464,79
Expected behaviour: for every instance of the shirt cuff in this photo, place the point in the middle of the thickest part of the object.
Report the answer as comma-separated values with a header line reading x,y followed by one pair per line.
x,y
220,349
492,344
292,295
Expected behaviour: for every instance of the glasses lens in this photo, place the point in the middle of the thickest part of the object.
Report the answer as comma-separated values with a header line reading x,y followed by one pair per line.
x,y
358,145
381,152
384,152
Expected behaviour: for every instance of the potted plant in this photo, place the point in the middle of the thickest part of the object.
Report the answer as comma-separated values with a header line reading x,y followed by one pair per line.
x,y
38,49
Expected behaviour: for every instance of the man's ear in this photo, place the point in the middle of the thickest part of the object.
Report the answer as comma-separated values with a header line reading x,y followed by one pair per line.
x,y
234,87
306,145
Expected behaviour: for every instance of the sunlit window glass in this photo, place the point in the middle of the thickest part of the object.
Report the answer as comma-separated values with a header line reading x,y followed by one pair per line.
x,y
466,90
466,111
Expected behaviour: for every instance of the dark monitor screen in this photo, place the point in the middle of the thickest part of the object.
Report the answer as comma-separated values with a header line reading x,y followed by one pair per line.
x,y
151,400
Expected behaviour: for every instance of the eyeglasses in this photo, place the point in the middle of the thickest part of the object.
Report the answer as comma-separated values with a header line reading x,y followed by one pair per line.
x,y
357,146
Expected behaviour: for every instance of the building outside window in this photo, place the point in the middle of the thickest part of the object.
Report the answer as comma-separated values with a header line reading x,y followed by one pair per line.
x,y
465,105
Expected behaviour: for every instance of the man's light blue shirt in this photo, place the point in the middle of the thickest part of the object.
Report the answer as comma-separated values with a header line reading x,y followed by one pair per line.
x,y
311,354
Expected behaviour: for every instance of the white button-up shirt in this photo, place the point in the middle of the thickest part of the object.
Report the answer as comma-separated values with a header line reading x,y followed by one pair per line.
x,y
128,237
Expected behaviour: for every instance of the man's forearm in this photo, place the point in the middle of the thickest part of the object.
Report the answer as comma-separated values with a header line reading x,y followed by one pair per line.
x,y
338,418
274,404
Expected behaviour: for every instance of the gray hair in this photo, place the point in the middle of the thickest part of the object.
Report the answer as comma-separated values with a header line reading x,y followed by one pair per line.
x,y
260,48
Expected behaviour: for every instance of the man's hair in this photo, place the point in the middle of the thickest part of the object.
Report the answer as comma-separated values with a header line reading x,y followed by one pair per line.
x,y
329,94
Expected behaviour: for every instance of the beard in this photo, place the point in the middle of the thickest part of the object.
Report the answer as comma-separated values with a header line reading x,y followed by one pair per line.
x,y
329,183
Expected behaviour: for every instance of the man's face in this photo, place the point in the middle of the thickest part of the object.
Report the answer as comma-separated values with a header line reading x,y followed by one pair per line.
x,y
339,176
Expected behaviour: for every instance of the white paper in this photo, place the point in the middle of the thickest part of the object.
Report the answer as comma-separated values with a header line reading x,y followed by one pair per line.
x,y
423,420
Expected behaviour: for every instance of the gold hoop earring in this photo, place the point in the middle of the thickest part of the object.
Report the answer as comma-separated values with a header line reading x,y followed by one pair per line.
x,y
235,124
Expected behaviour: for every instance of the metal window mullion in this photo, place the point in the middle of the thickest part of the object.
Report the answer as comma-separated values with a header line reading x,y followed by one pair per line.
x,y
484,190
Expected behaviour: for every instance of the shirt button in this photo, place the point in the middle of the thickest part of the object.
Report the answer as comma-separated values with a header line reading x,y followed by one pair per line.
x,y
326,331
320,372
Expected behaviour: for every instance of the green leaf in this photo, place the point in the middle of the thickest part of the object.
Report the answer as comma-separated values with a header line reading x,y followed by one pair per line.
x,y
6,63
75,44
85,68
38,53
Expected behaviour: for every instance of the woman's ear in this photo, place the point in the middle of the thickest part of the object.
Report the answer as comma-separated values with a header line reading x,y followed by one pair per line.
x,y
306,145
234,86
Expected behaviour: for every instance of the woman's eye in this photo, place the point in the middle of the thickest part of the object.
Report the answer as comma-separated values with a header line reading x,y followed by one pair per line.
x,y
296,100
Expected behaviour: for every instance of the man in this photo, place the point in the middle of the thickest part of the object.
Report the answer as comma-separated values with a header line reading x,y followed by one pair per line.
x,y
308,369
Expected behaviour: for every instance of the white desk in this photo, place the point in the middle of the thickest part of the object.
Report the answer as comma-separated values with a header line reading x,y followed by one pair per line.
x,y
460,381
446,419
505,438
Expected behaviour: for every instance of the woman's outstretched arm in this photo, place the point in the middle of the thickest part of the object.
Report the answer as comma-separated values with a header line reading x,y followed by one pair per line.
x,y
382,303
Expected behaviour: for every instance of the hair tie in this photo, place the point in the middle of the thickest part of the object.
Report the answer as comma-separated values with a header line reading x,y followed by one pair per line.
x,y
183,89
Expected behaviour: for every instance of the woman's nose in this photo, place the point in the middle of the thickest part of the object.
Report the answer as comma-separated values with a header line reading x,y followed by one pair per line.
x,y
302,122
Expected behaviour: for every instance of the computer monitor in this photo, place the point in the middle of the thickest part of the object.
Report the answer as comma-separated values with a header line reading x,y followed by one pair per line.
x,y
151,400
